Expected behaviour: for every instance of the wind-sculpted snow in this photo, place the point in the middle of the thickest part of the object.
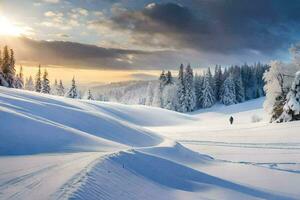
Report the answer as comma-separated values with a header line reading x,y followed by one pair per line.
x,y
34,123
143,115
149,176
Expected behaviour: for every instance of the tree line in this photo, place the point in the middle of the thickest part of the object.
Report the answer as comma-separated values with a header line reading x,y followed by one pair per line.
x,y
186,93
41,83
189,91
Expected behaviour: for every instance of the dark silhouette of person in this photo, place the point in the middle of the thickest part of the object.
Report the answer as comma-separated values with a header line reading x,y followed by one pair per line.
x,y
231,120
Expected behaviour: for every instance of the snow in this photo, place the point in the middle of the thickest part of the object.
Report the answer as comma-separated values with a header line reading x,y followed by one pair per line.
x,y
59,148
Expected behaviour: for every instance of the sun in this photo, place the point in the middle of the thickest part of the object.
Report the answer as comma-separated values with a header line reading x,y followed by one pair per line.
x,y
9,28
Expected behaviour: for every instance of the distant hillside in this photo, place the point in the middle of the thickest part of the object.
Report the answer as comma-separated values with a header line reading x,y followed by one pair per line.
x,y
127,92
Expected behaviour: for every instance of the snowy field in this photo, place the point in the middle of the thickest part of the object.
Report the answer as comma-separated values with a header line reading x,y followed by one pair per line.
x,y
58,148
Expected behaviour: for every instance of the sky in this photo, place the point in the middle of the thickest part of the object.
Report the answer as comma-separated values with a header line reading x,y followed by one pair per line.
x,y
116,40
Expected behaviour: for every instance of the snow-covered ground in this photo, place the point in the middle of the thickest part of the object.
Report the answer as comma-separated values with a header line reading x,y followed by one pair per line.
x,y
58,148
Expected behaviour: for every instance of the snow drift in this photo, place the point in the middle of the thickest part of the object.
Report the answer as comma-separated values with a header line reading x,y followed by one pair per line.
x,y
37,123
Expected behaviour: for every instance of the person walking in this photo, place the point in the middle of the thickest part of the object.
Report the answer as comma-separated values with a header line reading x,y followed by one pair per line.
x,y
231,120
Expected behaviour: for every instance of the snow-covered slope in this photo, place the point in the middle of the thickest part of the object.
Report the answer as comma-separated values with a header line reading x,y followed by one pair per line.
x,y
32,123
58,148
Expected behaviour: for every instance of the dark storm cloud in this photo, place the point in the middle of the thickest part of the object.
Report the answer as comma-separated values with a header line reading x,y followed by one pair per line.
x,y
223,26
78,55
70,54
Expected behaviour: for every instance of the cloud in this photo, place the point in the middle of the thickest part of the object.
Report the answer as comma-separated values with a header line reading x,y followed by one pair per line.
x,y
63,35
78,55
51,1
53,14
69,54
223,26
80,11
58,20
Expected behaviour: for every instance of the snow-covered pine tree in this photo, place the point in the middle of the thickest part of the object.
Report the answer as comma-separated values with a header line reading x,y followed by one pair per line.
x,y
208,96
169,78
38,81
162,78
60,89
278,81
190,97
8,66
19,79
54,88
181,91
150,94
291,108
161,86
218,81
249,81
211,79
21,75
259,72
89,95
46,83
170,97
239,87
29,85
73,93
198,89
3,81
239,90
228,91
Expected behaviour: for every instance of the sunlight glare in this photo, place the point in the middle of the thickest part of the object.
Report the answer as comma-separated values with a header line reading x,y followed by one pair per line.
x,y
9,28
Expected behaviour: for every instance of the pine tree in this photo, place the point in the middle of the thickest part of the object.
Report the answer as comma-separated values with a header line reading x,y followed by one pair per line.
x,y
3,81
169,78
218,81
170,97
161,86
190,97
208,96
8,66
277,86
19,80
21,75
228,91
198,90
211,79
89,95
46,83
38,82
291,109
249,81
61,89
54,88
150,94
239,87
239,90
181,91
29,85
73,93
